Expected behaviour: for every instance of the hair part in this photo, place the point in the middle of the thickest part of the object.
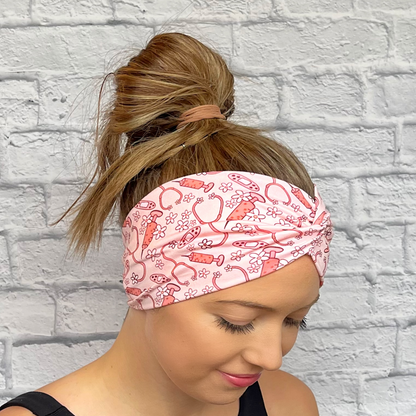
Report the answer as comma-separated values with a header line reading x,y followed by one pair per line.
x,y
138,147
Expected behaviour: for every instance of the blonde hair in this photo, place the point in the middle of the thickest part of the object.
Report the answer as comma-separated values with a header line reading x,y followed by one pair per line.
x,y
138,147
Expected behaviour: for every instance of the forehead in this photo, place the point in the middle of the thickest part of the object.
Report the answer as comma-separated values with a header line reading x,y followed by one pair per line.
x,y
296,283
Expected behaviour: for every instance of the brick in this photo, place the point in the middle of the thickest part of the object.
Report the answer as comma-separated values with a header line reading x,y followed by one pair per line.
x,y
60,198
394,296
392,95
5,275
66,101
270,46
42,156
408,347
338,349
318,6
389,196
326,95
92,310
408,147
386,5
22,207
221,10
393,395
329,150
13,9
31,370
405,48
335,194
2,379
342,298
410,247
45,259
373,248
69,49
28,311
51,11
19,103
256,100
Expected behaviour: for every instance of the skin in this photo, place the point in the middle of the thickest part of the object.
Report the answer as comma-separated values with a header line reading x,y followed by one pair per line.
x,y
166,361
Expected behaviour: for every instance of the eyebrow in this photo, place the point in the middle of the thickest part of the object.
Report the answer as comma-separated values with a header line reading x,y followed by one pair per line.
x,y
258,305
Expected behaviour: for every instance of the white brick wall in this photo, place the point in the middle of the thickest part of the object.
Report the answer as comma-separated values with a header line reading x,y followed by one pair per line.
x,y
335,79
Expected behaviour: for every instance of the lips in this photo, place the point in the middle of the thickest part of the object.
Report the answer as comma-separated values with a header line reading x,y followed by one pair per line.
x,y
241,380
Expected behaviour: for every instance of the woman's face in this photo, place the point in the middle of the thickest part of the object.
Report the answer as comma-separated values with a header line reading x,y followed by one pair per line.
x,y
191,346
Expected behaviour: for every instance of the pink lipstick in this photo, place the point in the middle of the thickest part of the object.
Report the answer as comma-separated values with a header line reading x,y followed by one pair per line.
x,y
241,380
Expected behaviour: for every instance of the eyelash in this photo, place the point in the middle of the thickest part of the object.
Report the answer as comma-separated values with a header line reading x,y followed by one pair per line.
x,y
245,329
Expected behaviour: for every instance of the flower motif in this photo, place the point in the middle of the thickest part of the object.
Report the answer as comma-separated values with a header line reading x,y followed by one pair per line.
x,y
217,274
310,232
295,207
225,187
136,216
170,219
228,268
188,197
203,273
182,225
284,223
141,230
208,289
259,258
200,200
190,247
303,218
159,264
134,278
159,232
162,292
152,254
255,215
146,219
172,244
298,251
230,204
237,255
211,196
253,268
273,211
241,228
190,293
205,243
290,218
186,214
192,223
241,196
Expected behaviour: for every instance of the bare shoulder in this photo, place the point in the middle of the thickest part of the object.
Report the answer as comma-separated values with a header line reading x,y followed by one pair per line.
x,y
285,394
16,411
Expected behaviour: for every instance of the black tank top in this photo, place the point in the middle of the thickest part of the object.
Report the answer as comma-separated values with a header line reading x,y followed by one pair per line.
x,y
41,404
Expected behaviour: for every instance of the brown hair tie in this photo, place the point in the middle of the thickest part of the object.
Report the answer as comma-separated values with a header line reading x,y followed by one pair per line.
x,y
200,112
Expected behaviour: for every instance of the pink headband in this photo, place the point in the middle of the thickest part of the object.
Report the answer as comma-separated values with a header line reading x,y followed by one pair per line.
x,y
209,231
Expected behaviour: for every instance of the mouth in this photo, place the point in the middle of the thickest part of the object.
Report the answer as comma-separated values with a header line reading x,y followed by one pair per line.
x,y
241,380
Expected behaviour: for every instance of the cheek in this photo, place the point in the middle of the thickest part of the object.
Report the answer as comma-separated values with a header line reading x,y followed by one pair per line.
x,y
288,340
188,348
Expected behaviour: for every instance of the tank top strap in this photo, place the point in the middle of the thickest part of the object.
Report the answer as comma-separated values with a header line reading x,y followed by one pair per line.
x,y
39,403
251,402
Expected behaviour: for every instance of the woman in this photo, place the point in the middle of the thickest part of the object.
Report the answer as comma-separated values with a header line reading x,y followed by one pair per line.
x,y
206,207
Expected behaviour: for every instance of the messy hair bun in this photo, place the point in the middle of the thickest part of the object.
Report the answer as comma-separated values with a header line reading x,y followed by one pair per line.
x,y
139,148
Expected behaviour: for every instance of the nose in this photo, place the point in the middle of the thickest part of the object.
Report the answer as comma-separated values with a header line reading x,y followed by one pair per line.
x,y
265,351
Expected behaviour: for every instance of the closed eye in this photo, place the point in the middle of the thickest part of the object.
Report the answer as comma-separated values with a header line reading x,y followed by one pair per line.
x,y
245,329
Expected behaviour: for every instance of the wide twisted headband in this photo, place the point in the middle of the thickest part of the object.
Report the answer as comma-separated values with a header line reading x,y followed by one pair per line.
x,y
213,230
